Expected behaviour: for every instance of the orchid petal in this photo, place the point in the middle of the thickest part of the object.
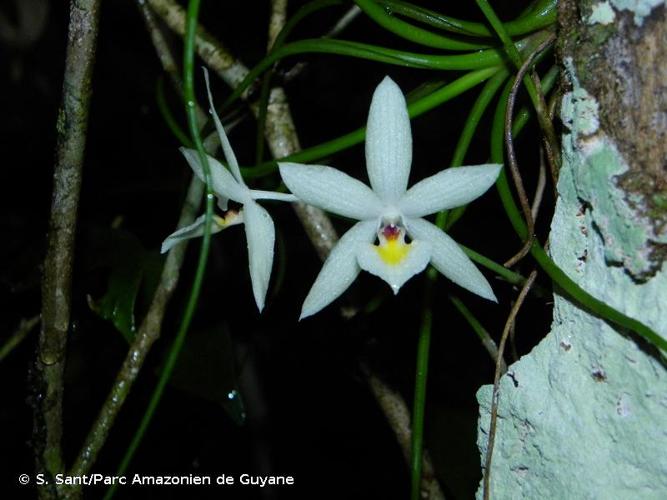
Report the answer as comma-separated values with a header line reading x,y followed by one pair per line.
x,y
261,236
331,190
258,194
194,230
388,142
222,181
449,188
414,262
340,269
448,258
224,141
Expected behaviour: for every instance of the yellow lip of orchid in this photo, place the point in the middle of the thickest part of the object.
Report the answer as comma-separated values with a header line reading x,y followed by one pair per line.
x,y
388,210
392,248
393,252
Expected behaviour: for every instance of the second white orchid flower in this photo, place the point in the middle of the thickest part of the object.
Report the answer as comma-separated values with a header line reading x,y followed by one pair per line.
x,y
389,211
259,229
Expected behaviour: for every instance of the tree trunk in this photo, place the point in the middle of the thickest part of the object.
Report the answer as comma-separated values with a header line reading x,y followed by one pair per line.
x,y
584,414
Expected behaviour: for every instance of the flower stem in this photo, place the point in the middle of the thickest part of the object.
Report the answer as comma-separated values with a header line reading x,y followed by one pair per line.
x,y
421,374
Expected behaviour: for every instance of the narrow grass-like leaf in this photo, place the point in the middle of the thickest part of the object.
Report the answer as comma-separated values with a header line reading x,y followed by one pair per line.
x,y
469,61
539,16
168,117
414,33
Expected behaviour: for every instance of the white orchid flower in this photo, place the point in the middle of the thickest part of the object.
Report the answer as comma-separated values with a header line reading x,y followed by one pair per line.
x,y
389,211
259,229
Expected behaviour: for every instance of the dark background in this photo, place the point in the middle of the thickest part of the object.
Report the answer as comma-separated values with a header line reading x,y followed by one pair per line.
x,y
309,411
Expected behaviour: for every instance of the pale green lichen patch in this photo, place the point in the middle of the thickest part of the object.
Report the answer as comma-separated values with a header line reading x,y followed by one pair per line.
x,y
640,8
582,112
625,236
596,164
601,13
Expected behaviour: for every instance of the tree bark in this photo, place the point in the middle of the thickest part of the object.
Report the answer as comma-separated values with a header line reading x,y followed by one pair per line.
x,y
57,276
582,416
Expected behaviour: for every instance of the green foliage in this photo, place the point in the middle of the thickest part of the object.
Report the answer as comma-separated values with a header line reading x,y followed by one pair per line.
x,y
206,368
133,272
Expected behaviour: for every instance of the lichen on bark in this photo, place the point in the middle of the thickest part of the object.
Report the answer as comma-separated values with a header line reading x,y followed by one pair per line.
x,y
582,415
623,65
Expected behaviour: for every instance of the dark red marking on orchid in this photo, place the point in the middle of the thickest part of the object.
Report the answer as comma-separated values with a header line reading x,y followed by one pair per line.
x,y
391,231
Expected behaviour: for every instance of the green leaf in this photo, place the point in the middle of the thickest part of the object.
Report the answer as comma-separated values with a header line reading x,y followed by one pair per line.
x,y
133,270
117,304
206,368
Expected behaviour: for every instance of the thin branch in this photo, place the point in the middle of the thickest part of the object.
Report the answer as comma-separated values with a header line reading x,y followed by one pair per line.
x,y
282,139
515,353
511,157
161,46
548,135
397,414
339,27
166,57
539,189
554,101
216,55
496,382
344,21
24,328
277,21
57,278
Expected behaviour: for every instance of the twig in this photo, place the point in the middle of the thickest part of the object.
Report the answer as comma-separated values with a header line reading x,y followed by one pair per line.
x,y
161,46
554,100
57,279
340,25
548,135
344,21
283,141
166,57
515,353
511,157
276,21
539,189
496,383
24,328
216,55
398,416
